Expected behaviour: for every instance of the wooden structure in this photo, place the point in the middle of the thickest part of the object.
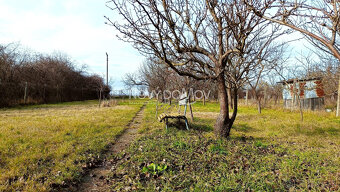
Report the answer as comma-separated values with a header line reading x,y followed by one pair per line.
x,y
308,91
165,116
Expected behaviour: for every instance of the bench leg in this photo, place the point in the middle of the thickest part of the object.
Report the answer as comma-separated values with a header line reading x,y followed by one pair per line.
x,y
186,123
166,123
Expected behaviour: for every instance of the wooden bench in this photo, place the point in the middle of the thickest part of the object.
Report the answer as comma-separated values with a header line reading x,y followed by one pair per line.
x,y
164,117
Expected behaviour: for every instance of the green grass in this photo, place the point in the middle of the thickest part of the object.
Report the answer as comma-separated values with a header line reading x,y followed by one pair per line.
x,y
49,145
272,151
51,105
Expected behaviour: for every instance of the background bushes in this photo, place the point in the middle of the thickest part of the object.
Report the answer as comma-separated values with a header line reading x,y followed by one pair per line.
x,y
46,78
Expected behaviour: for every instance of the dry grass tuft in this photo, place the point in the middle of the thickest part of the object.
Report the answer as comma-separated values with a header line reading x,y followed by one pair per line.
x,y
109,103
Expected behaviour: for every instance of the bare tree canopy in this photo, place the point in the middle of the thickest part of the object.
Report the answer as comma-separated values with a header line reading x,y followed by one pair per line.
x,y
217,40
318,21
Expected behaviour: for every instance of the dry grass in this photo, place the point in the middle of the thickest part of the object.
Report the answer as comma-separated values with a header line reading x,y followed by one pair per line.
x,y
109,103
272,151
50,145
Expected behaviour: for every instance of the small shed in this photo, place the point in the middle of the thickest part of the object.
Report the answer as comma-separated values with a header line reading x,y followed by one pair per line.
x,y
310,91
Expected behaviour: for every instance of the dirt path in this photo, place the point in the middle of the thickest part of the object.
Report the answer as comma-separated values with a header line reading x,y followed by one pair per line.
x,y
96,180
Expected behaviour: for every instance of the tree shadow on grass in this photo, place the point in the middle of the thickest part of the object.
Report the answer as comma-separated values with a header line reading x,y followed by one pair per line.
x,y
205,125
201,127
193,125
243,127
322,131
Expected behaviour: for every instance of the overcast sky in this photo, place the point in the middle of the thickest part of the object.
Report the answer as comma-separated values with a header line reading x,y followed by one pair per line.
x,y
74,27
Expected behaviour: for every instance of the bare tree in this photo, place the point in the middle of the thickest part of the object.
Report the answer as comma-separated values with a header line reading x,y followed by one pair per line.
x,y
158,77
267,61
318,21
40,78
204,40
275,88
152,75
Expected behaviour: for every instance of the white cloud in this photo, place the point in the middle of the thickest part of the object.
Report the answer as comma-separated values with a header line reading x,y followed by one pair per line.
x,y
71,26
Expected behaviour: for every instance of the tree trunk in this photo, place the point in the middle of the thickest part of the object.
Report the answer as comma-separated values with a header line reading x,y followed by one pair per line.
x,y
247,96
230,98
162,97
259,106
204,100
233,116
265,97
293,97
258,101
300,108
223,123
338,105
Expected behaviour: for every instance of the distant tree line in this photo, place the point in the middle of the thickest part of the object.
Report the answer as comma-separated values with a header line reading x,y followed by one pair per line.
x,y
160,79
261,88
27,78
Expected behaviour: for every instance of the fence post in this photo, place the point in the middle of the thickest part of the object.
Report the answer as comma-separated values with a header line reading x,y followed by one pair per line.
x,y
25,95
100,97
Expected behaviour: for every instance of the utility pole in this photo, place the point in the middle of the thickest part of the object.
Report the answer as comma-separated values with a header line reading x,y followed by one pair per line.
x,y
107,69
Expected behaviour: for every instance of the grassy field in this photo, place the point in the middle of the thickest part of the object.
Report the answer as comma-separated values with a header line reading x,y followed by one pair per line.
x,y
272,151
45,146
